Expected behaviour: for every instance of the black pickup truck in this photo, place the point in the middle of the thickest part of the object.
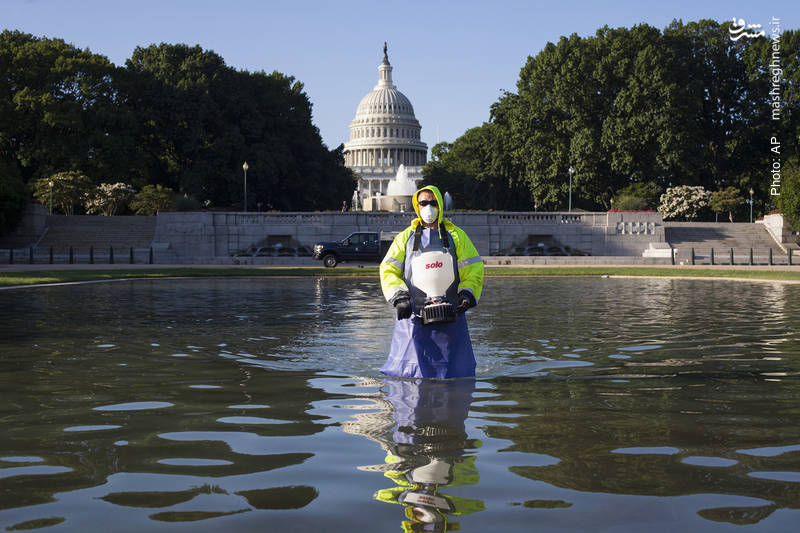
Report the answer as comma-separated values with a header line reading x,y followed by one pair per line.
x,y
359,246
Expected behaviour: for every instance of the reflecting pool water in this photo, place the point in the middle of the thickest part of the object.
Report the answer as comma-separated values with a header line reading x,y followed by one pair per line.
x,y
256,405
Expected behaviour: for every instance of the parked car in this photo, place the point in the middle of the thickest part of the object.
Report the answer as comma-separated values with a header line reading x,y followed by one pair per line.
x,y
276,250
535,250
556,250
539,250
575,251
368,246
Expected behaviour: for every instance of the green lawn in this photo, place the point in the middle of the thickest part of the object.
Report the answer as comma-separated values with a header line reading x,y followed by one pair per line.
x,y
678,272
65,276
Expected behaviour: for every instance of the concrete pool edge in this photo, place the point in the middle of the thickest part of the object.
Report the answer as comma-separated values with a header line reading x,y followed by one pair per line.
x,y
24,276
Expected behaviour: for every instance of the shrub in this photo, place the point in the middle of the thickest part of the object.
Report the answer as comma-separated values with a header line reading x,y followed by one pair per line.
x,y
152,199
186,203
726,200
637,197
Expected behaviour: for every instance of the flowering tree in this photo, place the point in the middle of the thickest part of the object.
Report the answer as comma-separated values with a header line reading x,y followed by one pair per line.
x,y
152,199
107,198
66,189
683,202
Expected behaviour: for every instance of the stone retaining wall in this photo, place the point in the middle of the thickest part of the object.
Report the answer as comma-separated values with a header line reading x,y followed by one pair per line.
x,y
200,236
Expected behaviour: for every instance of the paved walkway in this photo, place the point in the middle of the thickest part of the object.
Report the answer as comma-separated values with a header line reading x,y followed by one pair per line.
x,y
24,267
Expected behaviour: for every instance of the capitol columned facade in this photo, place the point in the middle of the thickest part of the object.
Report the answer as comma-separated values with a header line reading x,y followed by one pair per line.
x,y
384,135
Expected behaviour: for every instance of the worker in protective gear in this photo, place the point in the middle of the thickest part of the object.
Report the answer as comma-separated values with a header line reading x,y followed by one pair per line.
x,y
432,274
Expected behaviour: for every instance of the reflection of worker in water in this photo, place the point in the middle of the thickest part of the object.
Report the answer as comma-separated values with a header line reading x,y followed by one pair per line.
x,y
432,274
427,452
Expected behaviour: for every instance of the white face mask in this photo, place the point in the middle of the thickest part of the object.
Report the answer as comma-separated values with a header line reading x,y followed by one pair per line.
x,y
429,214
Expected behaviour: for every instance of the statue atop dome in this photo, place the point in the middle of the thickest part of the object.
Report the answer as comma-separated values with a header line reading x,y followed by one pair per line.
x,y
385,54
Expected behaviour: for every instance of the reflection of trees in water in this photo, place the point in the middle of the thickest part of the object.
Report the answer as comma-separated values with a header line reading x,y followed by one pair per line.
x,y
55,372
152,444
633,438
708,402
420,426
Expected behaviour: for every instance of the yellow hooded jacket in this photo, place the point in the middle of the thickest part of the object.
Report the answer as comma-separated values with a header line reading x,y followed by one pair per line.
x,y
470,264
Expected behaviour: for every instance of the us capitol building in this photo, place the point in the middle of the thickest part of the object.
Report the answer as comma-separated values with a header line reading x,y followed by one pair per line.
x,y
384,135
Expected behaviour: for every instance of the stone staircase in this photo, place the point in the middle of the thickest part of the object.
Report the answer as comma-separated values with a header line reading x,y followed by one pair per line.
x,y
721,237
83,231
83,239
19,239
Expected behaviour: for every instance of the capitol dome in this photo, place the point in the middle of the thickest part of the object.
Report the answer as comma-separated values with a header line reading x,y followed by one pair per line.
x,y
385,99
384,135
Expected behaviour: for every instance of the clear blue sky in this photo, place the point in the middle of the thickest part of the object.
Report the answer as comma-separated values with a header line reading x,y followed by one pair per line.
x,y
452,59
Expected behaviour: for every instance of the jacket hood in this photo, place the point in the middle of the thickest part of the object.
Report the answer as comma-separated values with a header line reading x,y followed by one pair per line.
x,y
415,201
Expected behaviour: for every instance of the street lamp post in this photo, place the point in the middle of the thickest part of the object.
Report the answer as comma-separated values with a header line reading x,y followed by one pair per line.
x,y
50,183
751,204
571,171
245,167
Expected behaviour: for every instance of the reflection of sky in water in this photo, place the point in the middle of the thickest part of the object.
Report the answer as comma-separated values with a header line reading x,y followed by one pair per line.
x,y
230,404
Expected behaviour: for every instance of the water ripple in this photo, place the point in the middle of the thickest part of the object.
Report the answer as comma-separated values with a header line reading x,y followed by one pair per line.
x,y
92,428
772,451
39,470
134,406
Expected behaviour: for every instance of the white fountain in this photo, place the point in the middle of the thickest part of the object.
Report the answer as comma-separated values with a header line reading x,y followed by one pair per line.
x,y
399,192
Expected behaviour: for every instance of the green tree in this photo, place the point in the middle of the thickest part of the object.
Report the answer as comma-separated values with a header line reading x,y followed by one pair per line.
x,y
175,116
682,106
644,131
789,200
761,65
68,190
202,119
637,196
60,108
152,199
555,121
469,170
726,200
13,197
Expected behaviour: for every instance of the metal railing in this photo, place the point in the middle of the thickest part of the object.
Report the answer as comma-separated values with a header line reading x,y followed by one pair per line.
x,y
731,256
73,255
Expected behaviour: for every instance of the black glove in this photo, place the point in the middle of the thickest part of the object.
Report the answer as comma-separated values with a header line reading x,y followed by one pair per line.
x,y
465,301
402,302
403,306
